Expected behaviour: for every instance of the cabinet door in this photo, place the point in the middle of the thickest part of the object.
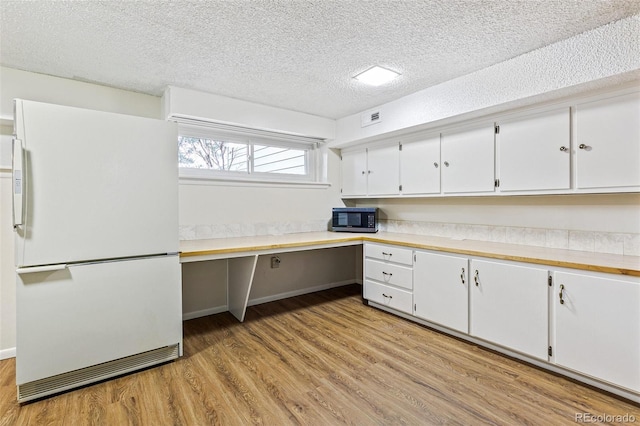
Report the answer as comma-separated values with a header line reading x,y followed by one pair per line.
x,y
608,143
420,166
468,161
384,170
354,173
597,327
535,152
441,290
509,306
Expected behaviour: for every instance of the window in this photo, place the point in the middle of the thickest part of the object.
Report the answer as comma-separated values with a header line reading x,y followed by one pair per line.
x,y
212,154
223,152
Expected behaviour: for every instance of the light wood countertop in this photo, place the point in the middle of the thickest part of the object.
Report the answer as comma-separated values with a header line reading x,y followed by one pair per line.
x,y
598,262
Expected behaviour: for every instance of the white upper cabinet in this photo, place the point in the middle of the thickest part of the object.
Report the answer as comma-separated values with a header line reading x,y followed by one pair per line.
x,y
420,166
354,173
383,170
584,145
468,161
535,152
608,143
371,171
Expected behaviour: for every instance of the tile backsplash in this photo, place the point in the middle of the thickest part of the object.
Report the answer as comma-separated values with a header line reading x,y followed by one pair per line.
x,y
230,230
598,242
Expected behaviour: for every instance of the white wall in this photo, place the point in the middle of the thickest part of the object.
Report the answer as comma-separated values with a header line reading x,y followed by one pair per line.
x,y
194,104
7,279
39,87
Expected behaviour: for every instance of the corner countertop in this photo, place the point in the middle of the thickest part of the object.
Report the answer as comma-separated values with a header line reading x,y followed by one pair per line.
x,y
194,250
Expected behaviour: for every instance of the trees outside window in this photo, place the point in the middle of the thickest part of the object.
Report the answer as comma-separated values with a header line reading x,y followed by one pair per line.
x,y
248,157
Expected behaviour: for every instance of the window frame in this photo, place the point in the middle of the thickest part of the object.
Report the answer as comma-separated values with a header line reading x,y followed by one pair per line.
x,y
314,149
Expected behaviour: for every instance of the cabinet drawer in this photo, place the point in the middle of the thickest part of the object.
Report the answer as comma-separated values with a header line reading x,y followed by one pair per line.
x,y
395,298
388,273
389,253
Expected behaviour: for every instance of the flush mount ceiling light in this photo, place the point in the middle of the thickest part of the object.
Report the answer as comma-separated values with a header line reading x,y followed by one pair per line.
x,y
376,76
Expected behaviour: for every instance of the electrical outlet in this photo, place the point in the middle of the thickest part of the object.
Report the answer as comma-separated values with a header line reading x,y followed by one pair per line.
x,y
275,262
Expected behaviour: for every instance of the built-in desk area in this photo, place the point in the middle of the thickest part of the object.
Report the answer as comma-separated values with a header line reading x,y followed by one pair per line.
x,y
242,254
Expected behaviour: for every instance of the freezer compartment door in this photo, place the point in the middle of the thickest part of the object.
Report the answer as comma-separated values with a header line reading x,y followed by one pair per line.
x,y
84,315
95,185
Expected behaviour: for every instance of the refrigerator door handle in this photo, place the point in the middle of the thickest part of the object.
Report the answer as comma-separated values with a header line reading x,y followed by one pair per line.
x,y
46,268
17,182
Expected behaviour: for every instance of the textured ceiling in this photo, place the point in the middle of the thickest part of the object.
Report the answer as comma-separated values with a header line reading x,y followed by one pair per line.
x,y
295,54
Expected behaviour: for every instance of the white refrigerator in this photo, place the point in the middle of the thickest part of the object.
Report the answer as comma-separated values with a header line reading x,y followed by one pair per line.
x,y
95,213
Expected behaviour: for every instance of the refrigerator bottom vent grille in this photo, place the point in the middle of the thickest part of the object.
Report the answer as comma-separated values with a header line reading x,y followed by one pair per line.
x,y
84,376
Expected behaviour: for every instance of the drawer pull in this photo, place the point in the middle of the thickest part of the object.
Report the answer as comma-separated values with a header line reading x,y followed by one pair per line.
x,y
390,297
384,253
462,276
387,273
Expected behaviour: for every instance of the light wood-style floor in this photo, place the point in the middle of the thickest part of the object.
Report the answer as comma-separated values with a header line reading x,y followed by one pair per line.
x,y
319,359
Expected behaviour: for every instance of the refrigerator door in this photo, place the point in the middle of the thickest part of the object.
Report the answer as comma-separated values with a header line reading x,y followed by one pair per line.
x,y
95,185
88,314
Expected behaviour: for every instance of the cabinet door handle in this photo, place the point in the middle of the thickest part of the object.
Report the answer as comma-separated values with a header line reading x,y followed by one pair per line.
x,y
462,276
563,148
435,165
585,147
446,163
384,295
363,172
476,278
561,291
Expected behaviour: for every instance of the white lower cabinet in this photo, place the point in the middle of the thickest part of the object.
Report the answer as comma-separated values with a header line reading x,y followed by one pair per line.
x,y
388,272
597,327
441,289
509,306
571,321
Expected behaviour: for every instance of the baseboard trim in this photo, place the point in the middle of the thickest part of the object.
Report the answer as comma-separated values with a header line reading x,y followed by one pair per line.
x,y
299,292
7,353
204,312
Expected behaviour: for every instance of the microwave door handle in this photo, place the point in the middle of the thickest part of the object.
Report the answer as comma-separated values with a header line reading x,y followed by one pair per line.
x,y
17,166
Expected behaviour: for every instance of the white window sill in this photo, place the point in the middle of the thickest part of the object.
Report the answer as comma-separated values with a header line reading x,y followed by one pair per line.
x,y
251,181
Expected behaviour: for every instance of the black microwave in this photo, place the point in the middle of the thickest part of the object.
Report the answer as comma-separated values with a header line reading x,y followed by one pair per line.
x,y
355,219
